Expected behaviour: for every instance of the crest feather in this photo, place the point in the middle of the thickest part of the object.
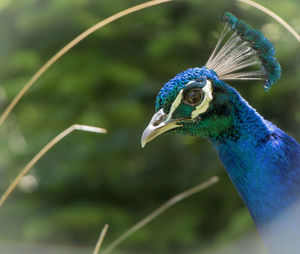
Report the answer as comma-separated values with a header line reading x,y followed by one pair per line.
x,y
246,47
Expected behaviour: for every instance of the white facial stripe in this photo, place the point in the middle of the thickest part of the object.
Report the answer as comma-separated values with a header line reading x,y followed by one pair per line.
x,y
175,104
207,89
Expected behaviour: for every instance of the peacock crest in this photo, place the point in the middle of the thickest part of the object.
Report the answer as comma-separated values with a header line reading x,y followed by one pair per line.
x,y
240,49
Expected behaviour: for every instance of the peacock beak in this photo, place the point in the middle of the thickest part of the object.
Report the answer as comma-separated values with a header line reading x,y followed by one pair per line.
x,y
158,125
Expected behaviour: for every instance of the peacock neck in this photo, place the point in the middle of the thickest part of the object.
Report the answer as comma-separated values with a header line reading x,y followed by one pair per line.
x,y
246,151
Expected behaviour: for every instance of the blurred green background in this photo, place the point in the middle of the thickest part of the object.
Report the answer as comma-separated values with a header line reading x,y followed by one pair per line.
x,y
111,80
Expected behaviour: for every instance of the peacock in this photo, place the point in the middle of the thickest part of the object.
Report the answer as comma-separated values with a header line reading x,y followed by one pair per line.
x,y
262,161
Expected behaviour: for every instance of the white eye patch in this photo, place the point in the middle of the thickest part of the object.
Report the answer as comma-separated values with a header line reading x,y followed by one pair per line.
x,y
201,108
175,104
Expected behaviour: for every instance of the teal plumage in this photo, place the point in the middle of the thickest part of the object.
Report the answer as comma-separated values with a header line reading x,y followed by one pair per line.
x,y
262,161
263,47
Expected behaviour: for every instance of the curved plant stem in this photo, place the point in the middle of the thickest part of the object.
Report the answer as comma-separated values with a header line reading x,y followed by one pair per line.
x,y
274,16
70,45
100,239
42,152
160,210
105,22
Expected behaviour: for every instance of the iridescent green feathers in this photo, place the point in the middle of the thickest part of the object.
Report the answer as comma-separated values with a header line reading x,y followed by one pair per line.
x,y
245,48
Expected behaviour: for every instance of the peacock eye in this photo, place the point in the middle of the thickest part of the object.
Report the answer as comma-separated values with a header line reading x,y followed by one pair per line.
x,y
194,96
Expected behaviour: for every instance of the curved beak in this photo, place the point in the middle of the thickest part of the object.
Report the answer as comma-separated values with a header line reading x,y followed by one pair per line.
x,y
158,125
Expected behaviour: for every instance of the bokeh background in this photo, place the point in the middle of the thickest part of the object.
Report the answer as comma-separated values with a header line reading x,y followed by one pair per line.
x,y
111,80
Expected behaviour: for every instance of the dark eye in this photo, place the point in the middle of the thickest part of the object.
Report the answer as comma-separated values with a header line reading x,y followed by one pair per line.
x,y
194,96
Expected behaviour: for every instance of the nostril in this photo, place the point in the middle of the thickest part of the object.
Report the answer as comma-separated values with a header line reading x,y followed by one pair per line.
x,y
159,119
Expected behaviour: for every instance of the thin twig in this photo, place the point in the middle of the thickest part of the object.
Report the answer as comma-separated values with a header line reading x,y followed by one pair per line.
x,y
70,45
160,210
42,152
273,15
100,239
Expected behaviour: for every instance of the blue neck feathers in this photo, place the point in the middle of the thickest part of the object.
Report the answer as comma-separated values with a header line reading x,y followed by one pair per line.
x,y
262,162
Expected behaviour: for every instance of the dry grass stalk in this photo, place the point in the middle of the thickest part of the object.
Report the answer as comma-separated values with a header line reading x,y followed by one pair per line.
x,y
42,152
107,21
70,45
160,210
100,239
274,16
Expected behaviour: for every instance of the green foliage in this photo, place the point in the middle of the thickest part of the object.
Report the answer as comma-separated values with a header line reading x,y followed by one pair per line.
x,y
111,80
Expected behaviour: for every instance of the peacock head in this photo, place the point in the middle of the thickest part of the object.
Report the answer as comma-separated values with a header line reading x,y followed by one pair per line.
x,y
194,102
197,101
